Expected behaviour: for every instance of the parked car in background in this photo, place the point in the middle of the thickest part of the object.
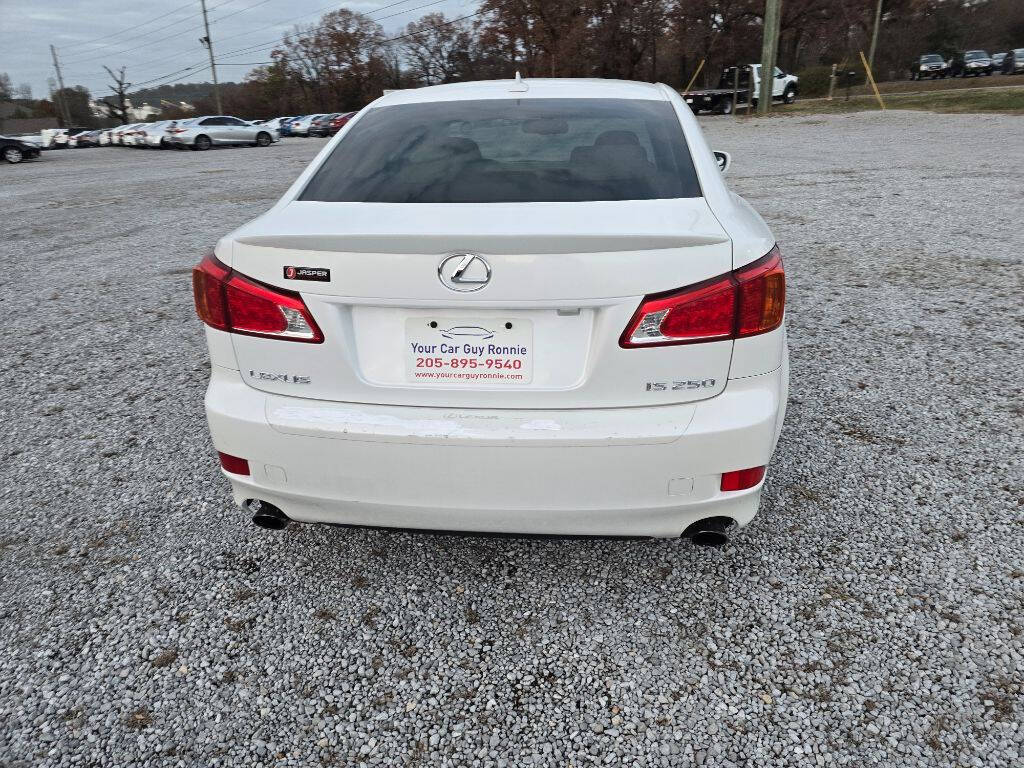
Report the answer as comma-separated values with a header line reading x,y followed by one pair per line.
x,y
975,63
117,134
929,65
57,138
997,62
130,138
218,130
1013,64
300,127
273,122
79,139
321,124
14,150
154,135
286,124
339,120
464,368
87,139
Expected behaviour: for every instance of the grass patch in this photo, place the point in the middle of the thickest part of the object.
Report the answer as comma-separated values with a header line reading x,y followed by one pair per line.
x,y
1002,100
949,84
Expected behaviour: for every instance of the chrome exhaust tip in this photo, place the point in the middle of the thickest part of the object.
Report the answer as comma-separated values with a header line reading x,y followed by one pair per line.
x,y
709,532
266,515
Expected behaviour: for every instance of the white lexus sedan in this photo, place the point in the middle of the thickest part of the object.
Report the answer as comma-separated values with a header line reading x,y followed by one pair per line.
x,y
526,306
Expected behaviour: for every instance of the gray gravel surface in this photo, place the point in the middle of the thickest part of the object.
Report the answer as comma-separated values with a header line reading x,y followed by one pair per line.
x,y
871,615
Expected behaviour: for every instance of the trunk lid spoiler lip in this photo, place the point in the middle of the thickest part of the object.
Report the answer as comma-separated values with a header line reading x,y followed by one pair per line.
x,y
497,244
492,228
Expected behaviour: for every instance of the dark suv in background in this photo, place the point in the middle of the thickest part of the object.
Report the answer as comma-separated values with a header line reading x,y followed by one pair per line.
x,y
975,63
929,65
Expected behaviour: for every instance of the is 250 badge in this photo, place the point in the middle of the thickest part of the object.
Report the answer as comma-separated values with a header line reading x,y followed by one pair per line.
x,y
666,386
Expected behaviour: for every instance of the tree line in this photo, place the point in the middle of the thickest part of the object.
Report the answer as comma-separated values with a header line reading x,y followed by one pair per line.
x,y
345,60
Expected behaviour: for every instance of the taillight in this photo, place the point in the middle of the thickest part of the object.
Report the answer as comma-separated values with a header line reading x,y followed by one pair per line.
x,y
741,479
761,301
745,302
230,302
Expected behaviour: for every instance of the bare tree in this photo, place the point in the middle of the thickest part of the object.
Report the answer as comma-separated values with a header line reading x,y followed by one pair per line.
x,y
437,50
119,109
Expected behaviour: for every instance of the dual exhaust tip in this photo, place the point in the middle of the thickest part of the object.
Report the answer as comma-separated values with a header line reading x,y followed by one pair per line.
x,y
709,532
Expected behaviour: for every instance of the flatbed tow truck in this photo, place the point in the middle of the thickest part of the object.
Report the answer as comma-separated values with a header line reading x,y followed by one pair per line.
x,y
738,89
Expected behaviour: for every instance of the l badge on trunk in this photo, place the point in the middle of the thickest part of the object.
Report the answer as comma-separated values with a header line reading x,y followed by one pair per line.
x,y
464,272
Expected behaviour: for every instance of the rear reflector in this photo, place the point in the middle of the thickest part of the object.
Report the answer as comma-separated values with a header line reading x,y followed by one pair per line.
x,y
227,301
233,464
745,302
741,479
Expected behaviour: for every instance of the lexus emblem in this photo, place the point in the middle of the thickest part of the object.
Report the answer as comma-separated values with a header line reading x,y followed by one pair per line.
x,y
464,272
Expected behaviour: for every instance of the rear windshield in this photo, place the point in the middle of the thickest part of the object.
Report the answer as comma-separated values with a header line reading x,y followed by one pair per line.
x,y
510,150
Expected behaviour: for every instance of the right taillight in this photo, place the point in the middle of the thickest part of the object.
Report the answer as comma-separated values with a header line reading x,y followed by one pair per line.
x,y
230,302
761,299
745,302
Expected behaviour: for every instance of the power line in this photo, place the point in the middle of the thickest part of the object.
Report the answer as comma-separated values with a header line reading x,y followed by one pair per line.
x,y
176,75
127,29
311,13
256,47
261,46
148,43
235,13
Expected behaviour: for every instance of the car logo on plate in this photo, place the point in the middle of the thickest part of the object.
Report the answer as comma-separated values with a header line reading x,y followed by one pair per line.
x,y
464,272
474,331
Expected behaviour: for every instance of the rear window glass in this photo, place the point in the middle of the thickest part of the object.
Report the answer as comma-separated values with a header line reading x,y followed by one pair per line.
x,y
510,150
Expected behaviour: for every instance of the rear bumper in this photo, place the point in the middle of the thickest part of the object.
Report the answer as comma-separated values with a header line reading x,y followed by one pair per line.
x,y
607,472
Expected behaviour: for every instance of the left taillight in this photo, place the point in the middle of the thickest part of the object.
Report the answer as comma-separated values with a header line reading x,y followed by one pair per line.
x,y
744,302
231,302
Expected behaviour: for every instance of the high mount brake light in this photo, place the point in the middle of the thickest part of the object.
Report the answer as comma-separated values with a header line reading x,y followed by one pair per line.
x,y
745,302
230,302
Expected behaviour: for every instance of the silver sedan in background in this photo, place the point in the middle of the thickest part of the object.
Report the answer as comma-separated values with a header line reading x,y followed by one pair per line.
x,y
154,135
204,132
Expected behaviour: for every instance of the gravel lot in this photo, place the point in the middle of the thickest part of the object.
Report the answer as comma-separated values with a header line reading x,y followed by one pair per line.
x,y
872,614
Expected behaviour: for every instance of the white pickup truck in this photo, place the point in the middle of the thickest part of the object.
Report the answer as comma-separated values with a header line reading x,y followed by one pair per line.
x,y
784,87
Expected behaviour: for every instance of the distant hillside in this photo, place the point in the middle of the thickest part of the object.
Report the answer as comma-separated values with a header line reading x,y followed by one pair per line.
x,y
190,92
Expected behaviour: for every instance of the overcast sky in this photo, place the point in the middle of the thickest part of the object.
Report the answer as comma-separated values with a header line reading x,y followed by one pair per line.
x,y
155,39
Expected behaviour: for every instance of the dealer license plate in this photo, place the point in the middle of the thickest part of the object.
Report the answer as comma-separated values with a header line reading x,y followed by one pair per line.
x,y
496,350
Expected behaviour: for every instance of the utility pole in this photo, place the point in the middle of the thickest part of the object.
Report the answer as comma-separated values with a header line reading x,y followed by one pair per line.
x,y
213,67
874,35
769,46
65,112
